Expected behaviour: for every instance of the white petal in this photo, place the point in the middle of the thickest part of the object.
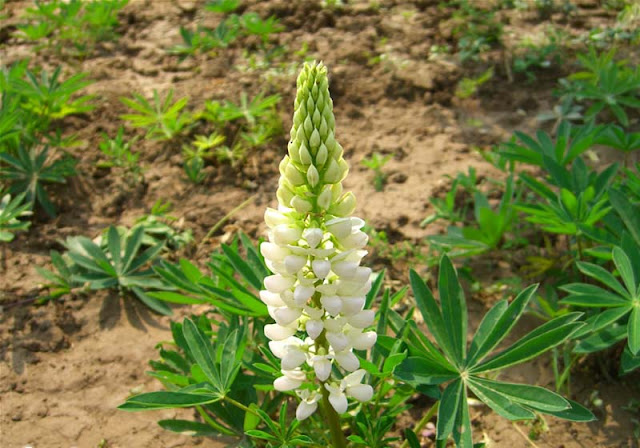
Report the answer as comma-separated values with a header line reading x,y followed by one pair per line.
x,y
356,240
303,293
294,263
277,332
361,392
333,304
357,223
273,252
293,358
322,367
271,299
353,378
274,217
305,409
362,274
285,383
277,283
364,341
284,234
314,328
338,341
345,269
313,237
340,227
314,313
339,402
335,325
347,360
352,305
363,319
321,268
328,289
285,315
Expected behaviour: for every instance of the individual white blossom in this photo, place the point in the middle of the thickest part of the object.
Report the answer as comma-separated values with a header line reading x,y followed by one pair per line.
x,y
317,293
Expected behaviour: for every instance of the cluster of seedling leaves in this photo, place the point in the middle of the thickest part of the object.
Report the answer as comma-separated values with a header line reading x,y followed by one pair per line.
x,y
204,40
73,24
595,210
225,131
33,152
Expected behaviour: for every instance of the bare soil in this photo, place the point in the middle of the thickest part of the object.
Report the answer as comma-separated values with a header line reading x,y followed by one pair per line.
x,y
65,366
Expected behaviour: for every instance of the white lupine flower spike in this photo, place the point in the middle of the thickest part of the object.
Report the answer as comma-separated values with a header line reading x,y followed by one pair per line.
x,y
316,294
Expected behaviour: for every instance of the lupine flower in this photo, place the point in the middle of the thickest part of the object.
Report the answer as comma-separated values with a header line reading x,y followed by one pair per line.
x,y
316,295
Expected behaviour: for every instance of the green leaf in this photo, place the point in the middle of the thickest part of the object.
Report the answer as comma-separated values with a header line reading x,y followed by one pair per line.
x,y
501,404
602,340
634,329
243,267
601,320
166,400
602,275
623,264
411,438
154,304
495,327
202,352
576,413
448,410
113,238
543,338
534,397
629,362
627,212
454,308
431,313
419,370
462,429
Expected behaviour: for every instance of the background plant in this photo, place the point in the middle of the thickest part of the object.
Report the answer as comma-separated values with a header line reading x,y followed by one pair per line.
x,y
82,24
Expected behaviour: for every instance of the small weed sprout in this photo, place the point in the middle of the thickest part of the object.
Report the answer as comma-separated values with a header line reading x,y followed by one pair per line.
x,y
118,154
163,120
375,163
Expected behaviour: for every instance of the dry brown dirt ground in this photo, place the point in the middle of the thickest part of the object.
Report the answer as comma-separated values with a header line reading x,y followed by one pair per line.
x,y
65,366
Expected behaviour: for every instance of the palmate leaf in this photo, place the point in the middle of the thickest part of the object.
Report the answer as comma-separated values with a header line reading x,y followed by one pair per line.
x,y
118,263
602,330
448,361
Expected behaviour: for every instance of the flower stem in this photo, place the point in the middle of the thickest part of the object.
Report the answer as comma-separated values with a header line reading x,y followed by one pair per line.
x,y
337,436
423,422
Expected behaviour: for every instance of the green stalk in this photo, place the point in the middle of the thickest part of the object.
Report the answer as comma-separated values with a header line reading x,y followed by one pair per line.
x,y
332,417
423,422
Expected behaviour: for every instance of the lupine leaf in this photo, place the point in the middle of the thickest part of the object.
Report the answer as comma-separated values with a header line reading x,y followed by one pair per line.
x,y
202,352
576,413
419,370
602,275
166,400
634,330
534,397
501,404
481,344
543,338
454,308
448,410
431,313
602,339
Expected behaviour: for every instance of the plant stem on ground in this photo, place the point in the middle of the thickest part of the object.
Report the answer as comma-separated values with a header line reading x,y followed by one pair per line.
x,y
423,422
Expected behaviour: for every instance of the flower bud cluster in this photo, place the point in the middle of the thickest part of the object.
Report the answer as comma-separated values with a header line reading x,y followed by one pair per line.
x,y
316,295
